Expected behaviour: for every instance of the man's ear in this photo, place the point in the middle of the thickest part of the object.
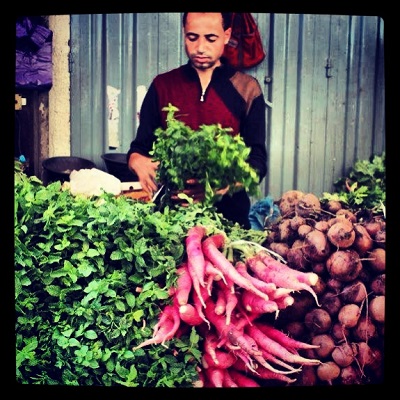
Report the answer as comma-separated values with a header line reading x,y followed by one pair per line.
x,y
227,35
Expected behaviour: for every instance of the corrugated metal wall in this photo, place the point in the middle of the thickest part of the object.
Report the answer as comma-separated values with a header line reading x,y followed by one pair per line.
x,y
323,80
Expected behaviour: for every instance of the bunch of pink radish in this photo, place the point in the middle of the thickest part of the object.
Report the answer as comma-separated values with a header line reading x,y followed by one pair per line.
x,y
346,249
225,298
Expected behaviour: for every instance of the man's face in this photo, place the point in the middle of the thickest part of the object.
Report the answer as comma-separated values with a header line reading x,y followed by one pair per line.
x,y
205,39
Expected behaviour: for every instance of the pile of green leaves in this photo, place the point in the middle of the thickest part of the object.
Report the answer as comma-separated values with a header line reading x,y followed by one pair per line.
x,y
91,277
364,186
210,154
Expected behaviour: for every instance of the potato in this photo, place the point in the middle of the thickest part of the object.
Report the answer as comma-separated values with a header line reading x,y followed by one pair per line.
x,y
304,230
296,222
380,239
286,233
322,226
295,256
346,213
307,376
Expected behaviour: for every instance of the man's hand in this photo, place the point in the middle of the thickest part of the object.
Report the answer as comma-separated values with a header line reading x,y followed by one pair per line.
x,y
145,169
193,189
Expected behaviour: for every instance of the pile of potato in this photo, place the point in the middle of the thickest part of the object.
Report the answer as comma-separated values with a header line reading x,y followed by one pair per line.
x,y
347,251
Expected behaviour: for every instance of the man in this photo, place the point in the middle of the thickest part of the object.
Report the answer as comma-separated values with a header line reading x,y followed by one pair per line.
x,y
206,90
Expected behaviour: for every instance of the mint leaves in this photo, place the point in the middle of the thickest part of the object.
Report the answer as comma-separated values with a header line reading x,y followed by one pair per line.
x,y
210,154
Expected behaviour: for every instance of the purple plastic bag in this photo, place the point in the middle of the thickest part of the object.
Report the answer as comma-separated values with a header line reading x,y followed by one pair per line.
x,y
33,66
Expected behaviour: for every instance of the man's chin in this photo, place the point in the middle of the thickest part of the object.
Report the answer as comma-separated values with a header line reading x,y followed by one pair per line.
x,y
203,66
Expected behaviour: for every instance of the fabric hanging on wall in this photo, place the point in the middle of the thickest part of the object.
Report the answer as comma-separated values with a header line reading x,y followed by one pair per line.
x,y
33,68
245,48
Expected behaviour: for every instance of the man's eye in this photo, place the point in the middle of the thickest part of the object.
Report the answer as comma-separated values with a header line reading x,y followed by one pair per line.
x,y
211,38
192,38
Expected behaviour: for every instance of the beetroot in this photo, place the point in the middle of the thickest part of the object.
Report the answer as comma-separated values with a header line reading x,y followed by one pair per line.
x,y
308,206
344,265
341,234
316,246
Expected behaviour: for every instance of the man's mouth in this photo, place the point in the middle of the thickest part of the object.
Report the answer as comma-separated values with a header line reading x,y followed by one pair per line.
x,y
200,59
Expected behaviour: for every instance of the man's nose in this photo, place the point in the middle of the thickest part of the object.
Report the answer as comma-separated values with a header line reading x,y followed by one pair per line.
x,y
201,45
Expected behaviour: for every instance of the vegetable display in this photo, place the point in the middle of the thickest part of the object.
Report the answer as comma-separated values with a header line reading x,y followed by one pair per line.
x,y
91,278
110,291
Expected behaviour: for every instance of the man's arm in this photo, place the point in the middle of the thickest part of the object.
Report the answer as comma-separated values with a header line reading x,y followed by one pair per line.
x,y
253,130
138,156
149,121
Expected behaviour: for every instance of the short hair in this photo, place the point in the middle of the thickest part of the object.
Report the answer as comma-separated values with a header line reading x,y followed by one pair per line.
x,y
226,20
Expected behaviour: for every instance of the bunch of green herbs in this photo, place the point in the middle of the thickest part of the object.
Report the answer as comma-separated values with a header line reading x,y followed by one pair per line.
x,y
211,154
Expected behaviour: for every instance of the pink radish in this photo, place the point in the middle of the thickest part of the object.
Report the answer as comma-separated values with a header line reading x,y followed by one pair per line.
x,y
231,300
170,312
211,246
242,380
228,332
213,274
189,315
276,348
266,287
162,335
289,343
199,303
228,381
270,357
261,372
220,302
222,359
284,301
210,346
215,377
255,304
195,258
308,278
282,278
183,285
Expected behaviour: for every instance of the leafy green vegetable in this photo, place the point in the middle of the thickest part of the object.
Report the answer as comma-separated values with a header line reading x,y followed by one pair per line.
x,y
364,186
91,276
210,154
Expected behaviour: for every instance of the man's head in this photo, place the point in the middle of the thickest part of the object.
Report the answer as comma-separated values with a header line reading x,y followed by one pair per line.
x,y
205,37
